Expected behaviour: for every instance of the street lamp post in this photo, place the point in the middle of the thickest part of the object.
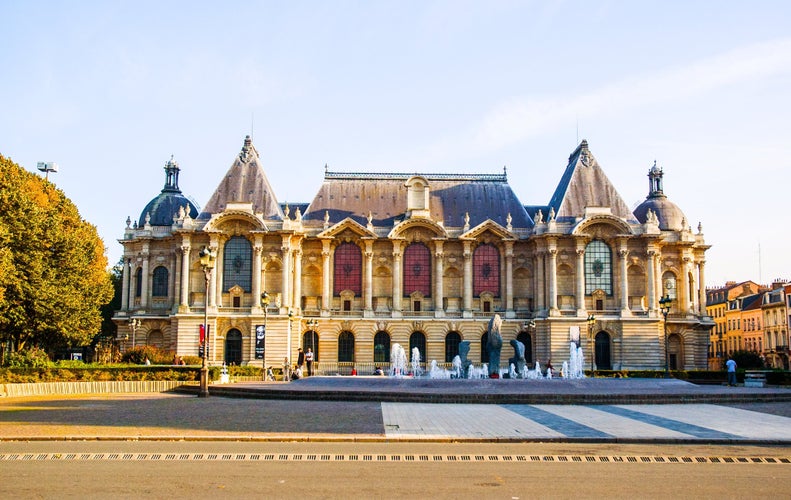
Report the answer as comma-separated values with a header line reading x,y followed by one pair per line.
x,y
265,304
134,324
591,322
664,306
207,263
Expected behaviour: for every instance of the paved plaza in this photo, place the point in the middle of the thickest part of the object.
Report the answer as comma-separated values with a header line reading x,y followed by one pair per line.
x,y
299,415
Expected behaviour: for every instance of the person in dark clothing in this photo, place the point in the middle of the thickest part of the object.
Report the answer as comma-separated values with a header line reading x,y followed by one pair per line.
x,y
300,358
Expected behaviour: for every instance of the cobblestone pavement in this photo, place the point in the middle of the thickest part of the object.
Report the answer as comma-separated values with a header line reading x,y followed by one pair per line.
x,y
170,416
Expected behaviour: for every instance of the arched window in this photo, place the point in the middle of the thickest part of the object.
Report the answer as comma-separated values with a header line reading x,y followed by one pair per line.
x,y
139,282
417,269
348,269
160,285
238,264
527,340
484,347
417,339
346,347
486,270
452,341
598,267
381,347
311,340
233,347
669,285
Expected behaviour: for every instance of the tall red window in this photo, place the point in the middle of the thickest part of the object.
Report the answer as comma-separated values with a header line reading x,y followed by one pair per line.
x,y
348,269
486,270
417,269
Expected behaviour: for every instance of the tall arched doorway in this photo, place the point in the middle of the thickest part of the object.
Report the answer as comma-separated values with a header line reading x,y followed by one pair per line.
x,y
675,355
527,340
603,356
417,339
452,341
310,340
233,347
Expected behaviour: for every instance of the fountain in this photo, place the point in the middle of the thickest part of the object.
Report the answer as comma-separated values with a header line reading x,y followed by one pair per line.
x,y
397,361
416,371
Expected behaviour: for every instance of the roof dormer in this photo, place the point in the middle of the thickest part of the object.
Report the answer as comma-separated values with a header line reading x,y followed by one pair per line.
x,y
417,198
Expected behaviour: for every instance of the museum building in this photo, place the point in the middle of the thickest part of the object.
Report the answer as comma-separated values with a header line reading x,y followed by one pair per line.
x,y
423,261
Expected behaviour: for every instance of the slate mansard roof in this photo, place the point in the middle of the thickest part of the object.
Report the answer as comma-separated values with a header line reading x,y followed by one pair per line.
x,y
384,195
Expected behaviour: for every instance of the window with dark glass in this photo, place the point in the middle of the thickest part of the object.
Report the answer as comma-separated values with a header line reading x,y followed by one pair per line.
x,y
417,339
160,285
485,348
348,269
139,282
346,347
452,341
486,270
417,269
381,347
598,267
238,264
527,341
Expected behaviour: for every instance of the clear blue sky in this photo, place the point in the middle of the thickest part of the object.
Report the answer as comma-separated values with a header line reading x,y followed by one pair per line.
x,y
110,89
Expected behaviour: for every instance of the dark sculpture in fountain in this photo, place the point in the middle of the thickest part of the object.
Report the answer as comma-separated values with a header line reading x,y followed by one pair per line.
x,y
494,344
518,360
464,350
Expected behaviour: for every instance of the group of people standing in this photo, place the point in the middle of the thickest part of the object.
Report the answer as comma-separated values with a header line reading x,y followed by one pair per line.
x,y
303,359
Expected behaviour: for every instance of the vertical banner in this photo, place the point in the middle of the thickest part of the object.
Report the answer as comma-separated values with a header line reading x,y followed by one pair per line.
x,y
202,341
260,338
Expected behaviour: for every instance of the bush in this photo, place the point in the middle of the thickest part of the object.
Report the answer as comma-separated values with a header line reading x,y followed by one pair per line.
x,y
747,360
155,355
28,358
192,360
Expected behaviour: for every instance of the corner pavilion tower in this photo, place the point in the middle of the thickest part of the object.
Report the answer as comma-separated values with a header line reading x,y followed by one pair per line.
x,y
420,260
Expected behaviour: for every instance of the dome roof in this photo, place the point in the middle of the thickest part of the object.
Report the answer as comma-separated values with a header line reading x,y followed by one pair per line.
x,y
165,205
162,209
671,218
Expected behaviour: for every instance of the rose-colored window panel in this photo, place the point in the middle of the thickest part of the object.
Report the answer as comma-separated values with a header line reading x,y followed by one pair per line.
x,y
348,269
486,270
417,269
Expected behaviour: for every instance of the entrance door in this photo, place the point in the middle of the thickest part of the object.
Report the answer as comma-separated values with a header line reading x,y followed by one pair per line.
x,y
233,347
603,359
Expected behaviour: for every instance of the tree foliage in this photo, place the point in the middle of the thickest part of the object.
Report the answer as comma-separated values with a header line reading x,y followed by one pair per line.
x,y
53,276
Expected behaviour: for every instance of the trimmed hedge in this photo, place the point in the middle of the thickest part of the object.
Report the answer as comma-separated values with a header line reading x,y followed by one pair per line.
x,y
105,373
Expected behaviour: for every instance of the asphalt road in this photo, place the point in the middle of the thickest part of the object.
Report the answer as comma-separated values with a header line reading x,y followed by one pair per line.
x,y
304,478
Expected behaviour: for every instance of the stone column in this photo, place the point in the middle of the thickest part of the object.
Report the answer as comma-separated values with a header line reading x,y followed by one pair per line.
x,y
468,277
215,292
553,278
144,292
125,285
257,254
623,255
285,292
651,265
702,288
297,300
439,270
184,302
540,281
368,282
684,300
326,297
397,293
509,279
580,275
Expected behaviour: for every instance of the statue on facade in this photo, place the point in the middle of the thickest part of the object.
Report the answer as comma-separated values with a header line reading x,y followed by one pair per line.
x,y
551,214
539,217
494,344
518,360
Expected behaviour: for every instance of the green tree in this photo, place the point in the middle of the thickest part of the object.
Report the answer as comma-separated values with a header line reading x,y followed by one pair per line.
x,y
53,276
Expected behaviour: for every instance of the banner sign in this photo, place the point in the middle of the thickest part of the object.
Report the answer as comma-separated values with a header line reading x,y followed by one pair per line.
x,y
260,338
202,340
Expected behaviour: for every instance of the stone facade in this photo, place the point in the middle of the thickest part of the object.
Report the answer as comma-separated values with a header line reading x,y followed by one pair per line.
x,y
420,260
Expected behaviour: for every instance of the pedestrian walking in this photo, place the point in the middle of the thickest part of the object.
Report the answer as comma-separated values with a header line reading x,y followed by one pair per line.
x,y
731,366
309,361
